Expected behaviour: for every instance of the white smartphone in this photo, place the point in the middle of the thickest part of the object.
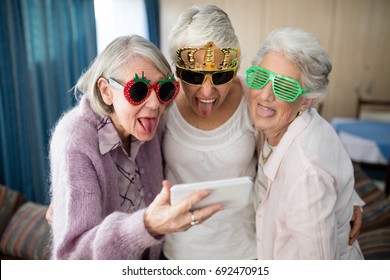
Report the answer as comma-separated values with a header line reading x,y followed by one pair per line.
x,y
231,193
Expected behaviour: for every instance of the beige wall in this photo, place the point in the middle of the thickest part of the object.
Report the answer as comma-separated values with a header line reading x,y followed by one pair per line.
x,y
356,34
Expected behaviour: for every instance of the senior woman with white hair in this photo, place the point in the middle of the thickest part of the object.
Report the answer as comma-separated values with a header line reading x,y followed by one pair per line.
x,y
304,186
109,200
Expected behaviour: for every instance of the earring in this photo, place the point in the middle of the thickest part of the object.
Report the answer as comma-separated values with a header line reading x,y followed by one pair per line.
x,y
299,113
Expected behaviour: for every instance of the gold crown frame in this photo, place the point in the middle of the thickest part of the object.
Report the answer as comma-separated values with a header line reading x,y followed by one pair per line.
x,y
207,58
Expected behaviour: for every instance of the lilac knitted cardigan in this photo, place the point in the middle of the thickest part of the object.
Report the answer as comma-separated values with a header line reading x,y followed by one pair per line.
x,y
87,223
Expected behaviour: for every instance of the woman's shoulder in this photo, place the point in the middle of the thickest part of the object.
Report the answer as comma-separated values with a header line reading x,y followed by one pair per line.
x,y
78,125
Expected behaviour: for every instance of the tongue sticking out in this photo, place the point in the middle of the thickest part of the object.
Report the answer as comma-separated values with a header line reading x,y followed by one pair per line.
x,y
149,124
205,108
265,112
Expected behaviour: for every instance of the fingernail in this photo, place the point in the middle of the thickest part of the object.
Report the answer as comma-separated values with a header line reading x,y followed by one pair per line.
x,y
206,192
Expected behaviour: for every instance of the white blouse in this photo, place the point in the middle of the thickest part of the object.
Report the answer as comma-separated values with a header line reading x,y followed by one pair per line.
x,y
194,155
308,204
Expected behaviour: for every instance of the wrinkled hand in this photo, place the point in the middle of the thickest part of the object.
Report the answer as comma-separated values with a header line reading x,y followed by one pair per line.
x,y
161,218
356,224
49,214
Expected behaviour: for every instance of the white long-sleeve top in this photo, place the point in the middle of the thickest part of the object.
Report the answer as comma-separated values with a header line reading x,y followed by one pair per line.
x,y
308,205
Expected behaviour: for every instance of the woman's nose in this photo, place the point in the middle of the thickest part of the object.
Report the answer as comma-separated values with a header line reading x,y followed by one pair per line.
x,y
153,101
207,86
267,92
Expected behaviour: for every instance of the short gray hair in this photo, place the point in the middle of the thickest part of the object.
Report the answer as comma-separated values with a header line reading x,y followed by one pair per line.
x,y
304,50
197,26
111,61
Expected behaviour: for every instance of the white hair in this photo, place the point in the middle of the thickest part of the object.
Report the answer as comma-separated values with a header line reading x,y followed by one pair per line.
x,y
112,60
304,50
198,26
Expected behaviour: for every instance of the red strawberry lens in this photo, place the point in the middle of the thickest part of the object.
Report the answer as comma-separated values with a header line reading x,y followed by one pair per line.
x,y
137,92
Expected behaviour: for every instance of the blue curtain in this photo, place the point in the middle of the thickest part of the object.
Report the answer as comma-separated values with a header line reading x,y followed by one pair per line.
x,y
44,47
153,16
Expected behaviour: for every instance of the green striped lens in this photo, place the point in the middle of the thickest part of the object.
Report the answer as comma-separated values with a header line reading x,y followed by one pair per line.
x,y
284,88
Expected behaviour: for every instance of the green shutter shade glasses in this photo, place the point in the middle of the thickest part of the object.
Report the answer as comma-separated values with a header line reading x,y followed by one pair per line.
x,y
284,88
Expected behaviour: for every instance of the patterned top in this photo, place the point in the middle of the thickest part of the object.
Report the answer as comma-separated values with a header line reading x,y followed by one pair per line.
x,y
128,176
